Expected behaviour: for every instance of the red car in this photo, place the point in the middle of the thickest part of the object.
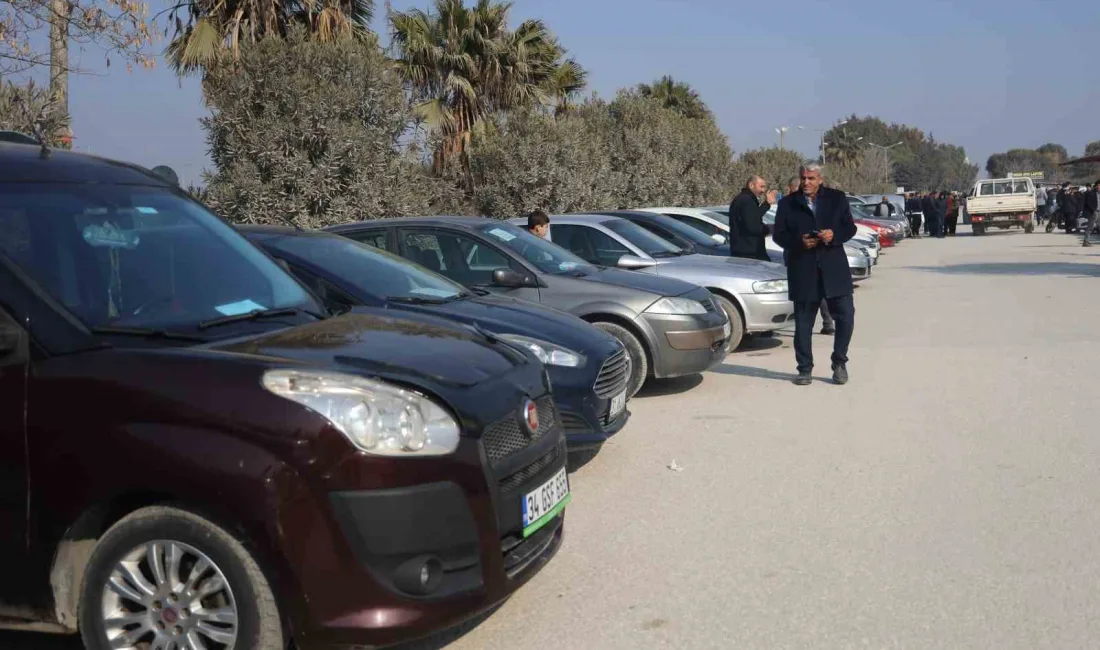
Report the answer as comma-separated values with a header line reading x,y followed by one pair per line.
x,y
884,236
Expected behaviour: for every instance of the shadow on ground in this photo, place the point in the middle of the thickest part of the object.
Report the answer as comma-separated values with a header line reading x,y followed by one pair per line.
x,y
759,344
675,386
35,641
1072,269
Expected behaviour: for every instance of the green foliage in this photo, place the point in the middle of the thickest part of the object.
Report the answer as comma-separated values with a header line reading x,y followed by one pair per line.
x,y
869,176
31,110
1021,160
667,158
773,164
675,95
630,153
310,132
530,160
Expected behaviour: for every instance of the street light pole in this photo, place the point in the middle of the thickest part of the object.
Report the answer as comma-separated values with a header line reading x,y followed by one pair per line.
x,y
886,161
782,131
821,136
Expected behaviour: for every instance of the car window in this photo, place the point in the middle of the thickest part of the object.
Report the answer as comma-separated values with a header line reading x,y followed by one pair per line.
x,y
138,256
328,292
589,244
1021,187
644,240
371,271
460,257
1002,187
704,227
721,217
377,238
545,255
987,189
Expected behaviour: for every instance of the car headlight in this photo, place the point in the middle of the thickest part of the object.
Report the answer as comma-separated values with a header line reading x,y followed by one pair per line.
x,y
676,306
548,353
377,417
770,286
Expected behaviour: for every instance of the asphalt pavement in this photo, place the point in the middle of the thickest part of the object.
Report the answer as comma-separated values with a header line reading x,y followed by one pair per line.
x,y
944,498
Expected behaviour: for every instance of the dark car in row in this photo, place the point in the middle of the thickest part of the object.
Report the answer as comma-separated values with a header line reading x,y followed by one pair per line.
x,y
195,451
669,328
589,369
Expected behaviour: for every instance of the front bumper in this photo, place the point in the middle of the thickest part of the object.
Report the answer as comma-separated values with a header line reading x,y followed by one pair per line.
x,y
684,345
356,535
766,312
585,416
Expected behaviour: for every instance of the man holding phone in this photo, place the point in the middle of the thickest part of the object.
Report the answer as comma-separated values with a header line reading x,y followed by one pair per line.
x,y
812,226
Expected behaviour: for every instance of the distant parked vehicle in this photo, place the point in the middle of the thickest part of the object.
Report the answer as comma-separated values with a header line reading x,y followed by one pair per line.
x,y
670,229
1002,203
752,293
589,369
668,327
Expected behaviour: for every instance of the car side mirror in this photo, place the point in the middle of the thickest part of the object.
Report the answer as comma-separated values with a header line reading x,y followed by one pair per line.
x,y
509,279
720,239
633,262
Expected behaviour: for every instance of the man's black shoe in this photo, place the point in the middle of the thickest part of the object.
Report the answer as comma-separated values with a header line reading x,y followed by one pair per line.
x,y
803,379
828,331
840,373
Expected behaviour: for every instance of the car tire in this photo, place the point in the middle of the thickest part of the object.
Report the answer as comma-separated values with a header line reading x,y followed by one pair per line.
x,y
737,322
639,367
1029,227
978,231
248,616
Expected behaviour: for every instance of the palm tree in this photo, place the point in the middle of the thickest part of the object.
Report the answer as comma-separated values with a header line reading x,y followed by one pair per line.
x,y
676,95
843,147
217,27
462,64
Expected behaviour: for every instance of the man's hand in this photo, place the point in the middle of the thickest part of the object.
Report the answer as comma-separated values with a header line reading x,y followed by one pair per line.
x,y
826,236
809,241
772,194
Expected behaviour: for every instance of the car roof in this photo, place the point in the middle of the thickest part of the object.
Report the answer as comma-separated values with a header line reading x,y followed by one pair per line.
x,y
582,217
25,163
460,221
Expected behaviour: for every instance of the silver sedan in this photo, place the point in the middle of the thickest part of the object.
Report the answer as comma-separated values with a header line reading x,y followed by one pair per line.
x,y
751,292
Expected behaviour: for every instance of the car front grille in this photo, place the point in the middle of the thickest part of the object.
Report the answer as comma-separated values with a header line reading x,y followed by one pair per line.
x,y
520,553
614,375
573,423
859,272
509,435
509,483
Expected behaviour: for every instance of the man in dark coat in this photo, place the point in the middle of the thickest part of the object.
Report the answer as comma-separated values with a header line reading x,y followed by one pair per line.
x,y
747,229
812,226
1067,209
1090,206
913,211
928,207
941,215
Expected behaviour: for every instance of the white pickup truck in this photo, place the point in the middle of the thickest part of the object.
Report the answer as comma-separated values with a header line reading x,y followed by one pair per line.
x,y
1002,203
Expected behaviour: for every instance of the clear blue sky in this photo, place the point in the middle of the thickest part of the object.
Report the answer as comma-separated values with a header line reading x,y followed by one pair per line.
x,y
987,75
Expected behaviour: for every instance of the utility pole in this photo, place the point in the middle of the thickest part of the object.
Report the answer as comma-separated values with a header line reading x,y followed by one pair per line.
x,y
886,158
821,136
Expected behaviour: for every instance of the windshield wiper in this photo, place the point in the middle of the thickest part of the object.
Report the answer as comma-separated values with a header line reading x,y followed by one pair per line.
x,y
256,314
417,300
149,332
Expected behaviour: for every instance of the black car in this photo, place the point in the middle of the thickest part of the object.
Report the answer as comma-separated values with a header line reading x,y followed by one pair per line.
x,y
588,368
669,229
195,452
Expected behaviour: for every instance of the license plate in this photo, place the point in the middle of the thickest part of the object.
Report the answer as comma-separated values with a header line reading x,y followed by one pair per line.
x,y
618,403
726,330
545,502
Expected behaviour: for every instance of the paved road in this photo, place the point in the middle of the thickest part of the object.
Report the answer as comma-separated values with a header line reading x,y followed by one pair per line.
x,y
945,498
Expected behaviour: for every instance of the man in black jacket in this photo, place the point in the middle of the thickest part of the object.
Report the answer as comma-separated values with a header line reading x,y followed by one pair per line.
x,y
1091,204
812,226
747,229
928,207
913,211
941,215
1067,209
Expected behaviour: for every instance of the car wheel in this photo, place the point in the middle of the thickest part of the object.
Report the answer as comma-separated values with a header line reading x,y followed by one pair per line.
x,y
978,231
164,577
1029,227
737,322
639,367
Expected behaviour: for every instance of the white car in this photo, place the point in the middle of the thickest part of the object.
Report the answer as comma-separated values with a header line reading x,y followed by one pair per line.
x,y
715,221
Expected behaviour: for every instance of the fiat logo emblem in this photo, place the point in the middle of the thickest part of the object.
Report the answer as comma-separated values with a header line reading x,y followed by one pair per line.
x,y
531,416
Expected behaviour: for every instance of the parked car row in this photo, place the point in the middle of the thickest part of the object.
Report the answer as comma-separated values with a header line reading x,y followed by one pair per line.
x,y
349,437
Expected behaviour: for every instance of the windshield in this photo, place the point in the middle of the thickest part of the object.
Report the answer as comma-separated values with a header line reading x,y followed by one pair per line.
x,y
859,213
721,218
641,238
545,255
370,270
684,231
138,256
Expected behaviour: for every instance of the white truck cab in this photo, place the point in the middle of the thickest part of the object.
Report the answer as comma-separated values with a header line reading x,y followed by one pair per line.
x,y
1002,203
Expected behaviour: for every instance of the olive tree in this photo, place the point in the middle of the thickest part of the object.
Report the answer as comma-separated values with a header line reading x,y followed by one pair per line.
x,y
313,133
531,159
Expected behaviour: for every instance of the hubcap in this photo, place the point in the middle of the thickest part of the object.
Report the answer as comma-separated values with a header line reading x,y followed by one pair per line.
x,y
166,595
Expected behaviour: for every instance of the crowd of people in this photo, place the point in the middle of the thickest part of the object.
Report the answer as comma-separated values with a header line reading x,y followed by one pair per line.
x,y
937,212
1066,207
